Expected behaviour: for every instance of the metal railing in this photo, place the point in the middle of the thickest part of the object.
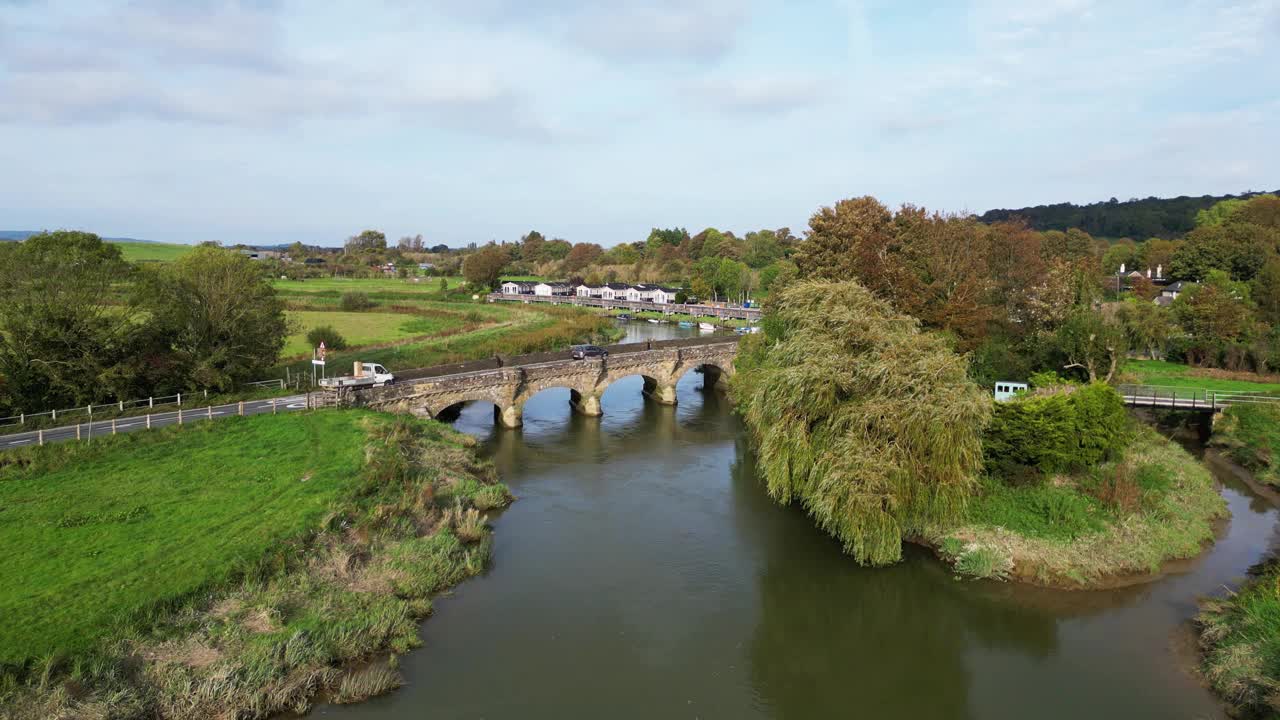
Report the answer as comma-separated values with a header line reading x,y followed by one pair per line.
x,y
117,408
1185,398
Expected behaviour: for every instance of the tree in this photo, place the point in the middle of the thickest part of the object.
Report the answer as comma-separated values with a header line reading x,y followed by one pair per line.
x,y
1157,254
669,237
1219,212
63,341
1217,311
871,424
1072,245
1092,344
1147,326
1239,249
221,319
582,255
367,241
852,240
1122,254
1266,292
412,244
556,249
762,248
531,246
1263,210
483,268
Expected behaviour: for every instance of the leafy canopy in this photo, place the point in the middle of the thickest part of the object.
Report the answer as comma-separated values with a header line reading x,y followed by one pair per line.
x,y
870,423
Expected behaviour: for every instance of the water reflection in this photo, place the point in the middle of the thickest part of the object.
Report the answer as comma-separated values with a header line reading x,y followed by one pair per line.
x,y
644,573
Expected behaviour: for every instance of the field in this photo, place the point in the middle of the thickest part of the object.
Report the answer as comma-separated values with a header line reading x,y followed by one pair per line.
x,y
365,328
231,569
371,286
152,252
115,529
413,325
1159,372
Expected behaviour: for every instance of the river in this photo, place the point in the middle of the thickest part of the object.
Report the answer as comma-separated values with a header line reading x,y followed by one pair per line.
x,y
644,573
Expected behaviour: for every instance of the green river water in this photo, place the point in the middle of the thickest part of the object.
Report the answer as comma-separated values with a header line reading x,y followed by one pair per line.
x,y
644,573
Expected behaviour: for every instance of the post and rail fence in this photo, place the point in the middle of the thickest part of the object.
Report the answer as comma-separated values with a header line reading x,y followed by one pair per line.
x,y
1184,398
95,412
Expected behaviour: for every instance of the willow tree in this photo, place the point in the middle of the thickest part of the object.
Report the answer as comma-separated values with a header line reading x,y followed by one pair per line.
x,y
871,424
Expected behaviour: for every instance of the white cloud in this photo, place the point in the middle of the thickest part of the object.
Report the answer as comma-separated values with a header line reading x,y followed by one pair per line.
x,y
768,94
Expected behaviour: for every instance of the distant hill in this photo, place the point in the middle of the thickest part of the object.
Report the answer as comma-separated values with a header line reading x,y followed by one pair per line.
x,y
7,235
1137,219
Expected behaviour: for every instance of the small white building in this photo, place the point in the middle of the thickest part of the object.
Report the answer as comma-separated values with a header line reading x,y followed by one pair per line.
x,y
664,295
552,289
640,293
1006,390
589,291
613,291
512,287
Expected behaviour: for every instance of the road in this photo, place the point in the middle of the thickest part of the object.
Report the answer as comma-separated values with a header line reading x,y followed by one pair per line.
x,y
102,428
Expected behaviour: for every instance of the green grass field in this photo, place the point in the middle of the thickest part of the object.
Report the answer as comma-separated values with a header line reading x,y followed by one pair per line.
x,y
1159,372
152,252
94,535
371,286
366,328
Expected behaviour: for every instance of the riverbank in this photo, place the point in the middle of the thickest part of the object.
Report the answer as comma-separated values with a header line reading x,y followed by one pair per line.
x,y
1113,525
1250,435
1239,632
241,568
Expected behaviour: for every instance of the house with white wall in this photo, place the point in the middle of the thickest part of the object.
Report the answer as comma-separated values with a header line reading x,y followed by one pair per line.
x,y
543,289
511,287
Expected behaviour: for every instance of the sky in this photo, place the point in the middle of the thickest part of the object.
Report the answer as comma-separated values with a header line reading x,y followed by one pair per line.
x,y
268,121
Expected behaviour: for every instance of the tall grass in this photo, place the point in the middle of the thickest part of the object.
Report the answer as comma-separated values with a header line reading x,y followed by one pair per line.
x,y
334,582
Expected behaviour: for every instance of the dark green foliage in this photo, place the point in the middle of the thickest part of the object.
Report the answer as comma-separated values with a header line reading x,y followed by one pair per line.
x,y
326,334
1057,433
1240,642
356,301
1150,217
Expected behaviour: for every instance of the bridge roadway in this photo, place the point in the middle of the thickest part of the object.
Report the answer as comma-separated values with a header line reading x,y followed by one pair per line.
x,y
508,383
740,313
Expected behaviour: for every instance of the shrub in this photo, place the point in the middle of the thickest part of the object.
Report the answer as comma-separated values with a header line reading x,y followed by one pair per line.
x,y
1119,490
355,302
1057,433
983,562
331,338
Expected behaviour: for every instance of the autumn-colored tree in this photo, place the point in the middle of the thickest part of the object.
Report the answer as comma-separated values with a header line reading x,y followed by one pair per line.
x,y
945,280
483,267
1147,326
1092,344
1157,254
1263,210
582,255
852,240
1072,245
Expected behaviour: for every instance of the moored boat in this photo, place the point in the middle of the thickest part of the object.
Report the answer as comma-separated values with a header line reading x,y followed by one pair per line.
x,y
706,326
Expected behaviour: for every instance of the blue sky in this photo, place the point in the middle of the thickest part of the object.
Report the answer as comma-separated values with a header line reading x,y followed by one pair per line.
x,y
469,120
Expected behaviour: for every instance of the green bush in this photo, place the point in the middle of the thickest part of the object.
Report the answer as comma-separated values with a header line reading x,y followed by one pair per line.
x,y
1056,433
355,302
331,338
1048,511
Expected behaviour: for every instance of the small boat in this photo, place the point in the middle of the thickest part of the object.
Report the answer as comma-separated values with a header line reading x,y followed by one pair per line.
x,y
623,317
706,326
655,321
687,324
742,330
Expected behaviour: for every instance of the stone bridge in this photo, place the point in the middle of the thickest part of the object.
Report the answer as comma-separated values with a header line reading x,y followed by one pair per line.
x,y
509,382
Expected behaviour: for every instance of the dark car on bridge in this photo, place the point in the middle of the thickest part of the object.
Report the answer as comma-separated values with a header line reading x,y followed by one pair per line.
x,y
582,352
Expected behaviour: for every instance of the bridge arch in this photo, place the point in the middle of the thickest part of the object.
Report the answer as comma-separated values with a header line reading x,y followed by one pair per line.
x,y
713,371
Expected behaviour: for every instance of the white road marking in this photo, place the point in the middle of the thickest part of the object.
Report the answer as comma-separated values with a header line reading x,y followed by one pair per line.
x,y
20,442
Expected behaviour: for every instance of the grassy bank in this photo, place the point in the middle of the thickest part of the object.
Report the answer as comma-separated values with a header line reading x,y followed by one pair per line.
x,y
1250,435
230,569
152,252
1159,372
1108,524
1240,642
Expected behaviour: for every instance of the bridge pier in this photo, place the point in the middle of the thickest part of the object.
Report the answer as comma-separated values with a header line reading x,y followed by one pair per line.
x,y
661,393
510,417
585,404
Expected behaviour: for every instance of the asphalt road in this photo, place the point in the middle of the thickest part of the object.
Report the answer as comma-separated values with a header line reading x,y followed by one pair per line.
x,y
102,428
